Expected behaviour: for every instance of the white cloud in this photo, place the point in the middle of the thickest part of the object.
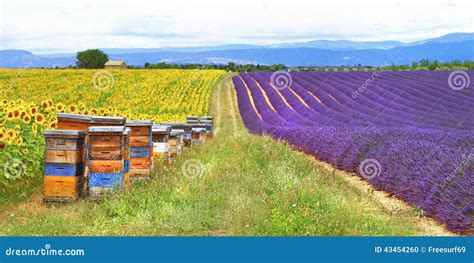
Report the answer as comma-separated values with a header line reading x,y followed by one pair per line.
x,y
73,25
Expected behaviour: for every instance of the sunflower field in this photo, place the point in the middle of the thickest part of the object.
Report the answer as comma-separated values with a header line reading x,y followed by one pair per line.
x,y
31,99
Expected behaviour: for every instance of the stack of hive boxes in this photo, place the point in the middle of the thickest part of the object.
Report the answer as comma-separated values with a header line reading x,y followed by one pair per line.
x,y
202,128
68,121
208,122
141,146
107,150
160,138
199,132
187,136
64,165
175,142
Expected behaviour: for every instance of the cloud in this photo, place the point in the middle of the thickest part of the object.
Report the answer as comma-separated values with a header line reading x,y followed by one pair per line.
x,y
74,25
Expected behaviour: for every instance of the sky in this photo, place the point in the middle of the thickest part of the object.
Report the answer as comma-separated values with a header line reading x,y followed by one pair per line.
x,y
52,26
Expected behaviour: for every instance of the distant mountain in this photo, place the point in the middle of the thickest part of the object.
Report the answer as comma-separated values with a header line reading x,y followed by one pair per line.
x,y
341,45
314,53
449,38
26,59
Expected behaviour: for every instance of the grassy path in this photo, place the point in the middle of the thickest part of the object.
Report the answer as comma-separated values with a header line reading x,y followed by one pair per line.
x,y
239,184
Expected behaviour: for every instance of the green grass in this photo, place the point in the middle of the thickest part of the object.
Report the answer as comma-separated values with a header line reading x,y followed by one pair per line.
x,y
249,185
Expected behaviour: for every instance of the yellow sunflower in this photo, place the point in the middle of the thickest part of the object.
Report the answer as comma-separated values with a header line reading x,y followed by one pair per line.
x,y
39,119
26,119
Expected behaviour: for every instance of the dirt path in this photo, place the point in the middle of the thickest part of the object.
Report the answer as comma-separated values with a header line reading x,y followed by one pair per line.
x,y
225,109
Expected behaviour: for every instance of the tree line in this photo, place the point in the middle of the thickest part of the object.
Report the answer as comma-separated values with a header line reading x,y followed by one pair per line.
x,y
95,58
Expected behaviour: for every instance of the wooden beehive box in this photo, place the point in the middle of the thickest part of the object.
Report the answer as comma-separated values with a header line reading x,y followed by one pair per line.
x,y
141,148
208,122
64,165
68,121
187,136
175,142
198,134
160,138
107,155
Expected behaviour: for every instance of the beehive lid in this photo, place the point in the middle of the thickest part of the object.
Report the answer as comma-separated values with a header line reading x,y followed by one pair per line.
x,y
74,117
127,131
64,133
175,124
199,130
108,120
180,125
176,132
192,119
161,129
131,123
107,129
209,118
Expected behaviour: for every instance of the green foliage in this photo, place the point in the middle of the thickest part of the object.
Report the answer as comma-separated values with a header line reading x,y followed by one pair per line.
x,y
230,67
91,59
424,64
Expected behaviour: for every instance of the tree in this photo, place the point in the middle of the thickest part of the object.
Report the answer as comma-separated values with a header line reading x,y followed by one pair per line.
x,y
91,58
433,65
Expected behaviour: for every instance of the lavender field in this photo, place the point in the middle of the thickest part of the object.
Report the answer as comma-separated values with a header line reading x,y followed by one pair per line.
x,y
408,133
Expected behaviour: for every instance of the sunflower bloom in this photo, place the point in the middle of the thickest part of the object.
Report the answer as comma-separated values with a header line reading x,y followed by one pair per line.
x,y
26,119
44,104
60,107
19,141
33,111
39,119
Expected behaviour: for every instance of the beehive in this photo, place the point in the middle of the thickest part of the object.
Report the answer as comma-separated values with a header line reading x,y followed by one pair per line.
x,y
198,134
160,138
141,148
208,121
175,142
69,121
107,155
187,136
202,122
64,165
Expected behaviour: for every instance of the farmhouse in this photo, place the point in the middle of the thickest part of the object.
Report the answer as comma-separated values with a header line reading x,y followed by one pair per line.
x,y
115,64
